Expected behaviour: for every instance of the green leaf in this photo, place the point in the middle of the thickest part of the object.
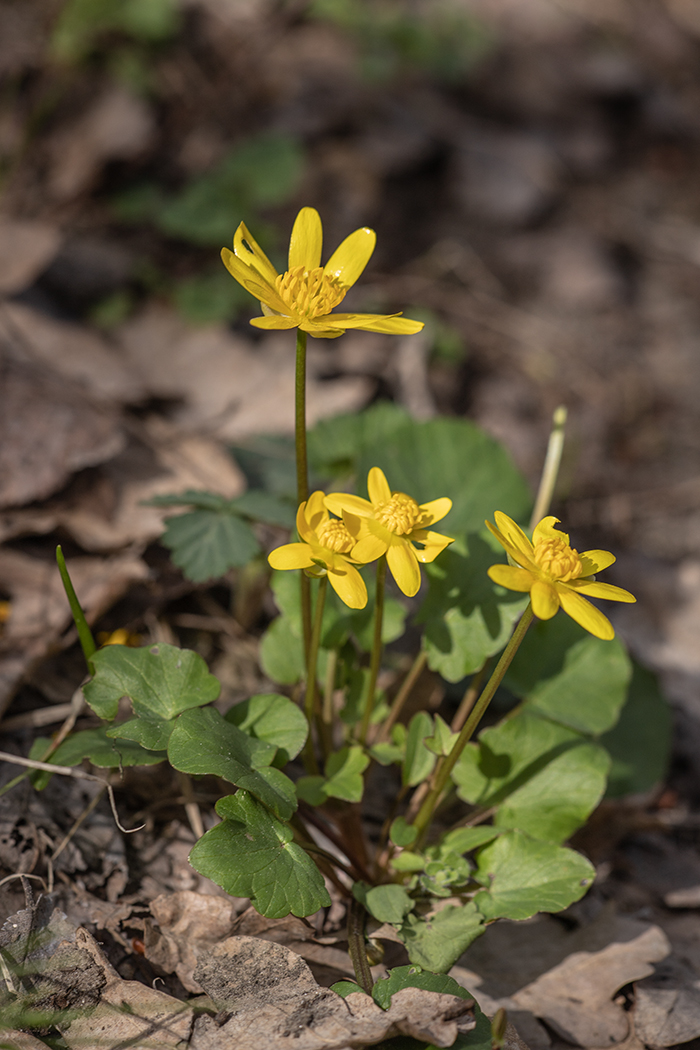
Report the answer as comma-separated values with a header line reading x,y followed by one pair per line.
x,y
525,876
436,942
441,457
418,762
151,733
443,740
251,854
205,544
265,507
571,677
109,754
281,653
160,680
346,988
414,977
203,742
545,779
464,840
640,742
390,903
274,719
401,833
467,617
407,861
343,778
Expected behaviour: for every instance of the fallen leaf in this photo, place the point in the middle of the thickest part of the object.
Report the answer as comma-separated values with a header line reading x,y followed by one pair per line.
x,y
73,351
575,997
117,126
26,249
667,1005
276,1003
231,386
128,1012
49,428
188,924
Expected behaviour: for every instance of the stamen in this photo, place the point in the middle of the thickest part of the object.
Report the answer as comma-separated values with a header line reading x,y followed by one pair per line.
x,y
334,535
310,293
557,560
400,514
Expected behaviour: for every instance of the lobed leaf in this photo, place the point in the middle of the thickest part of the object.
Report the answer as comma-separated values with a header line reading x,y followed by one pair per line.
x,y
437,941
205,544
202,742
160,680
274,719
525,876
418,762
251,854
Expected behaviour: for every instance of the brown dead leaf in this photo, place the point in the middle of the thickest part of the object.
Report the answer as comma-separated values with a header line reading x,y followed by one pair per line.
x,y
188,924
26,249
575,998
108,520
48,429
128,1014
230,386
14,1040
118,126
276,1003
40,611
73,351
667,1005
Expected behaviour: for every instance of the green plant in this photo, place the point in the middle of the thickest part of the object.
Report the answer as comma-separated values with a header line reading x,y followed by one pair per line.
x,y
478,827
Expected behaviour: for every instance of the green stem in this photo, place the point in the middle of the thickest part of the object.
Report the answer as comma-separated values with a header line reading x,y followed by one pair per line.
x,y
550,471
357,917
402,695
442,773
87,642
376,657
302,472
310,697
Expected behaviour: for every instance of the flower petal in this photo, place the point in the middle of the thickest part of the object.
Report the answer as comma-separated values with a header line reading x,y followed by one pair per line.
x,y
404,567
595,561
252,281
350,258
433,544
514,535
247,249
513,552
319,331
602,590
584,613
315,511
337,502
378,486
291,556
389,324
435,510
303,527
545,530
274,322
545,599
306,241
349,586
512,577
368,549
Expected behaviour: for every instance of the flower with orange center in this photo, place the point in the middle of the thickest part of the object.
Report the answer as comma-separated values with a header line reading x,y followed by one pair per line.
x,y
391,523
325,549
555,574
304,296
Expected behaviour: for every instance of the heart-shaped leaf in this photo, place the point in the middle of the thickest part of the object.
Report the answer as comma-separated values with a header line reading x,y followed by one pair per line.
x,y
160,680
202,742
436,942
525,876
251,854
274,719
418,762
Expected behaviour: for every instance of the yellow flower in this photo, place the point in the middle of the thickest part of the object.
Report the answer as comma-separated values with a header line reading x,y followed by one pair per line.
x,y
555,574
304,296
390,523
326,549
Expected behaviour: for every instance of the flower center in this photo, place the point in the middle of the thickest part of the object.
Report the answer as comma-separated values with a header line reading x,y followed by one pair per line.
x,y
399,514
310,293
558,560
334,536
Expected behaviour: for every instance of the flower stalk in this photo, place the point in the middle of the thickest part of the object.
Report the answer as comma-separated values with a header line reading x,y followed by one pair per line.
x,y
376,656
310,696
441,775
